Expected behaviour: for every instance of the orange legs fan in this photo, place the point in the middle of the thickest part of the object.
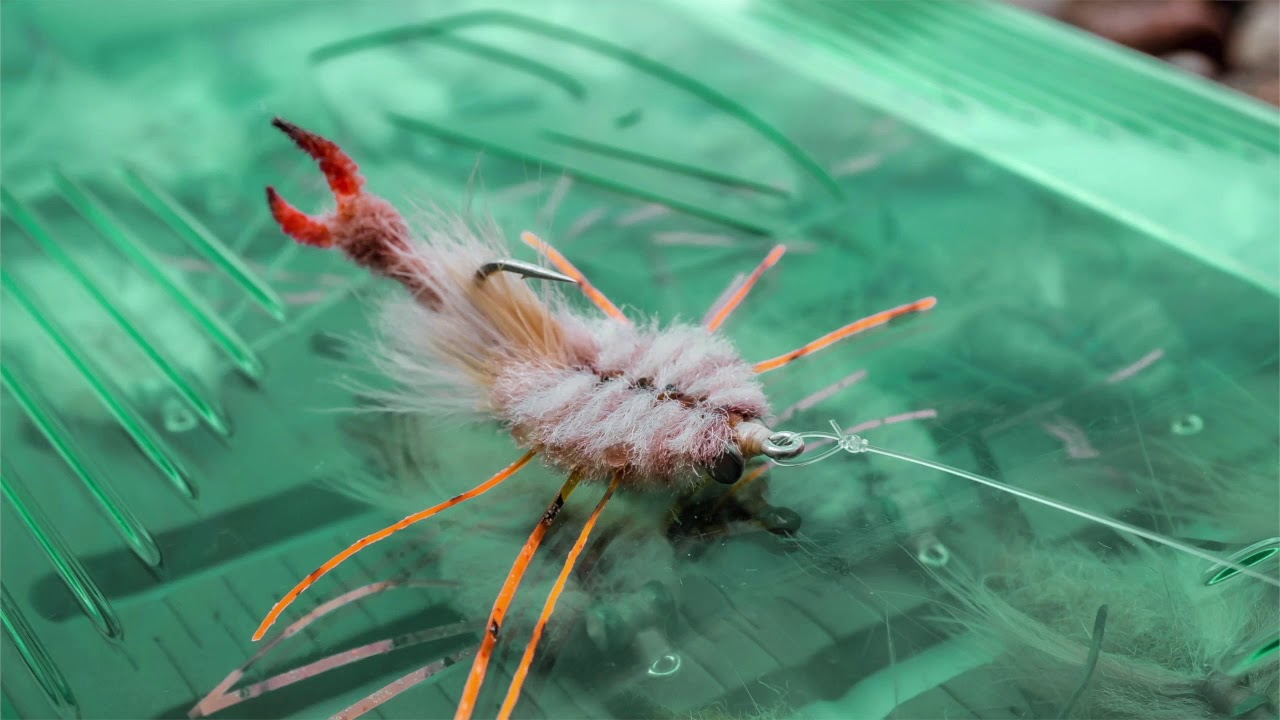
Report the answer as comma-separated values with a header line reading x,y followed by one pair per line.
x,y
437,269
517,682
508,592
386,532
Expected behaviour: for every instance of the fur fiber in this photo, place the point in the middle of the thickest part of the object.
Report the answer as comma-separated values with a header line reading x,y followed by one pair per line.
x,y
411,460
1165,633
595,396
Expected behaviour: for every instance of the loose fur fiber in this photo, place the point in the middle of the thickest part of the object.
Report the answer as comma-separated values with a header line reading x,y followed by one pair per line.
x,y
595,395
413,461
1164,634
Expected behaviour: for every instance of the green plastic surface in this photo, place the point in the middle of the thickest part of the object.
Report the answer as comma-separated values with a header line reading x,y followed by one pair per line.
x,y
1102,235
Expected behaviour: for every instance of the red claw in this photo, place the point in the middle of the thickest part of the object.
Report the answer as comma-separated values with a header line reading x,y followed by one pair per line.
x,y
297,224
339,169
367,228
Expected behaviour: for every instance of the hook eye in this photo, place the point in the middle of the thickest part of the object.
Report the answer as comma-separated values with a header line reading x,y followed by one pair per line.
x,y
783,446
727,468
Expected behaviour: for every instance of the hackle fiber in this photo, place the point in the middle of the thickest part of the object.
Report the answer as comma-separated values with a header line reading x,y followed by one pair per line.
x,y
597,397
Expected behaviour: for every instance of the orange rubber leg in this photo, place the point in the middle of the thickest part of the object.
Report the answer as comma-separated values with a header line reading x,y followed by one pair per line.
x,y
563,265
517,682
386,532
508,592
852,328
741,293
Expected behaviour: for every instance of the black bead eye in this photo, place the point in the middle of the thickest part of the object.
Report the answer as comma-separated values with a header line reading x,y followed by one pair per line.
x,y
728,467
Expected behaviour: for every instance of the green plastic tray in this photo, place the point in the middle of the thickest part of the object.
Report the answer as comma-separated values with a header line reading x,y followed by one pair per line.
x,y
1102,234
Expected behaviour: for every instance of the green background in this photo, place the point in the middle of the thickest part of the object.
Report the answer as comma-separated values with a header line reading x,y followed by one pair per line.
x,y
173,365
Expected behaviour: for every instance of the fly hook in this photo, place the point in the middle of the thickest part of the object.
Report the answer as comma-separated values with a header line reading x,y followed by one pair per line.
x,y
522,268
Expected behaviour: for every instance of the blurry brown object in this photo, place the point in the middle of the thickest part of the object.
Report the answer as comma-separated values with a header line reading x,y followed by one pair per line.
x,y
1254,52
1268,90
1256,41
1193,62
1157,27
1236,42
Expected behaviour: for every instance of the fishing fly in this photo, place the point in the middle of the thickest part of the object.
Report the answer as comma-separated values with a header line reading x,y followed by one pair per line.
x,y
600,399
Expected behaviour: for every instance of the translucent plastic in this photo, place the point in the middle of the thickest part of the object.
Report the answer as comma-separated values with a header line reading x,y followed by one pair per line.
x,y
178,450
